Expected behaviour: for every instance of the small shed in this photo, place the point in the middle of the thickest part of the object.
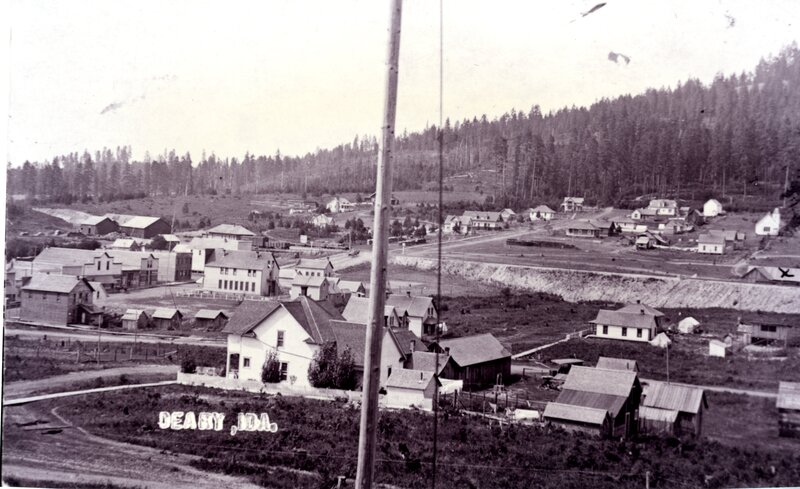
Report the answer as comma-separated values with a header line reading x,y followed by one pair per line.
x,y
167,318
617,364
672,408
411,388
688,325
717,348
789,409
134,319
211,319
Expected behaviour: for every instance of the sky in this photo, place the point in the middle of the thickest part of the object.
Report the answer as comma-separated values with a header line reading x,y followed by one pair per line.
x,y
293,76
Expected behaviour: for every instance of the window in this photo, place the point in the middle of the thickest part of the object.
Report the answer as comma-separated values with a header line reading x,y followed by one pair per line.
x,y
220,284
254,287
769,328
98,265
605,329
226,285
284,371
766,229
638,332
108,264
389,372
246,363
280,339
624,331
234,271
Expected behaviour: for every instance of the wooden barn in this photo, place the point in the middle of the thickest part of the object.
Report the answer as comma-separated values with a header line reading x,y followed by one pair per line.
x,y
98,226
167,318
789,409
134,319
478,360
145,227
671,408
210,319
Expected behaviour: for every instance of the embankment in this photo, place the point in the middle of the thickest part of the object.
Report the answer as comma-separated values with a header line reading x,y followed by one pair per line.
x,y
576,286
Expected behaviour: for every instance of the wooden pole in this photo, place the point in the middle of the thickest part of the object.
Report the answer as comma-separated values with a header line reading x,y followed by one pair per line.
x,y
367,439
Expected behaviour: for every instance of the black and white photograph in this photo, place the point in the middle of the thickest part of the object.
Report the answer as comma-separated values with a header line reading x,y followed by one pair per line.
x,y
400,244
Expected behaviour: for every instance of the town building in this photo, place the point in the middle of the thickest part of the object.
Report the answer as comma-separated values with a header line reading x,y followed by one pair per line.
x,y
583,229
717,348
174,266
98,226
417,312
311,286
203,248
479,360
572,204
242,272
139,268
167,318
135,319
711,244
93,265
210,319
411,388
712,208
788,405
599,401
672,409
54,299
321,267
634,322
765,333
144,227
770,224
541,213
230,231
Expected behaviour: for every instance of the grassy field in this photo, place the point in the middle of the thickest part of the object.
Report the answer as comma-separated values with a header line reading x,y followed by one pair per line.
x,y
420,281
319,439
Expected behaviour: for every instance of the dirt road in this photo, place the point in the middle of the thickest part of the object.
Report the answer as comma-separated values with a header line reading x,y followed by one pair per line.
x,y
108,337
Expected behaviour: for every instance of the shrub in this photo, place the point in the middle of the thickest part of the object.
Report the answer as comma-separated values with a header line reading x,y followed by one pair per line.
x,y
271,371
188,365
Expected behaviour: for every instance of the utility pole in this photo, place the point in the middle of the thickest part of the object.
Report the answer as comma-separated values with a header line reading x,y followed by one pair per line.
x,y
368,431
785,186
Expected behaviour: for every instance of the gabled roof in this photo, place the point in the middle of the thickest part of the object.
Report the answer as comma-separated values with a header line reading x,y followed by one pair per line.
x,y
123,243
133,314
789,395
67,256
675,397
350,285
617,364
483,216
60,284
415,306
309,281
711,239
543,209
352,336
576,200
314,264
607,402
93,220
166,313
580,414
426,361
637,308
248,315
140,222
314,317
357,310
472,350
404,337
130,259
410,379
452,219
656,414
582,225
601,381
210,314
624,319
234,229
250,260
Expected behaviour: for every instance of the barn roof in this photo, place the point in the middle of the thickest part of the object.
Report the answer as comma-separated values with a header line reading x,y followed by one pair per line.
x,y
248,315
234,229
472,350
410,379
624,319
656,414
617,364
789,395
314,264
607,402
711,239
166,313
210,314
93,220
67,256
308,281
415,306
255,260
582,225
581,414
601,380
61,284
673,397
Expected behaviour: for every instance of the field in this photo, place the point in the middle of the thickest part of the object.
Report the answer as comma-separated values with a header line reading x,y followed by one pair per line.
x,y
316,442
403,279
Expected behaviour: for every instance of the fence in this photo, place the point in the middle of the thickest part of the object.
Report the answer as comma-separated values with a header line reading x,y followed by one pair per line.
x,y
89,351
211,294
489,403
259,387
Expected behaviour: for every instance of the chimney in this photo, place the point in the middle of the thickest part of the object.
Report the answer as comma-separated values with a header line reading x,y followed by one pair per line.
x,y
412,345
408,293
638,301
447,350
421,376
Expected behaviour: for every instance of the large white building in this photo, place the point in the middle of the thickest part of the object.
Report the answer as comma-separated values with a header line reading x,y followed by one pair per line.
x,y
242,272
770,224
712,208
634,322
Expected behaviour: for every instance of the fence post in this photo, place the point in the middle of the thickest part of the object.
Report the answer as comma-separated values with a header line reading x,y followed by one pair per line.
x,y
130,353
115,355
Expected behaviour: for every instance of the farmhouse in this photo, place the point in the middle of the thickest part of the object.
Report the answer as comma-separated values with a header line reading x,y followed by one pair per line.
x,y
242,272
711,244
732,237
230,231
572,204
312,286
211,319
357,311
541,213
478,360
407,388
321,220
770,224
452,224
672,409
134,319
339,204
712,208
54,299
635,322
617,364
144,227
418,312
788,405
167,318
98,226
482,220
597,400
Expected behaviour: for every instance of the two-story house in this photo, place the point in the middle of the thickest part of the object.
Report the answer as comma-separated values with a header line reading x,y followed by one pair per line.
x,y
54,299
242,272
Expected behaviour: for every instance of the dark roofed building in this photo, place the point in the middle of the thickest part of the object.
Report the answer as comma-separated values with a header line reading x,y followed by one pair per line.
x,y
54,299
211,319
98,226
478,360
144,227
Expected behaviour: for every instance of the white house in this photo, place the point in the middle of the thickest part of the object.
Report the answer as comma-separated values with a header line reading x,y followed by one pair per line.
x,y
340,204
420,311
664,207
312,286
541,213
482,220
408,388
203,248
572,204
712,208
321,267
231,231
770,224
711,244
634,322
452,224
242,272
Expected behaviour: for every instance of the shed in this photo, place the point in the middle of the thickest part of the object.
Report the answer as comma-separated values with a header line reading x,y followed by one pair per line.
x,y
617,364
98,226
211,319
478,360
134,319
167,318
682,404
788,405
407,388
717,348
688,325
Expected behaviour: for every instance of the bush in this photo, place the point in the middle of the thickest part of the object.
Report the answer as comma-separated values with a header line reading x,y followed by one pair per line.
x,y
188,365
271,371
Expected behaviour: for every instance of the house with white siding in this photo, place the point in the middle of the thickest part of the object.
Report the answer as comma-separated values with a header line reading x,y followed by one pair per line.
x,y
711,244
712,208
419,310
242,272
770,224
634,322
411,388
541,213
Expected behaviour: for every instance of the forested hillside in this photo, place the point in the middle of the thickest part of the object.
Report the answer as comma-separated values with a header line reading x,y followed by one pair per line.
x,y
737,134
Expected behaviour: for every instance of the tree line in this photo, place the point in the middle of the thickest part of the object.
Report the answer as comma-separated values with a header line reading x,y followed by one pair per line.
x,y
735,135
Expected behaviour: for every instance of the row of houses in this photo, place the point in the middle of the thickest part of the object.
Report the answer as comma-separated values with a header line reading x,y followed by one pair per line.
x,y
167,318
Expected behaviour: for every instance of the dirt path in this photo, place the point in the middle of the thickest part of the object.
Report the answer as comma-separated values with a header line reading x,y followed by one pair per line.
x,y
24,388
70,454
